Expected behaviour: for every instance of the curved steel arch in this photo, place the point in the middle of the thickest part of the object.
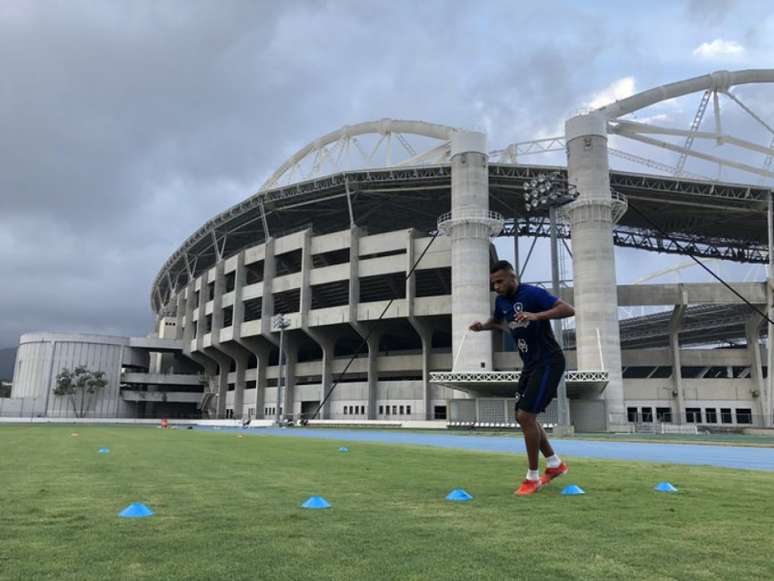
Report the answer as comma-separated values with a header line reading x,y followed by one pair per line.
x,y
717,81
713,85
383,127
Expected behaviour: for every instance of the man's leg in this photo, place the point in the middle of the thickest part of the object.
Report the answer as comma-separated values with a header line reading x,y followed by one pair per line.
x,y
533,436
545,445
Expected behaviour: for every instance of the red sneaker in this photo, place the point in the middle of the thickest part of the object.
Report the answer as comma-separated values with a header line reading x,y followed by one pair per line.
x,y
528,487
552,473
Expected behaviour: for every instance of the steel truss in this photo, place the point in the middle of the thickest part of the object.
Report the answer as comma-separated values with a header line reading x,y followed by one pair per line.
x,y
653,241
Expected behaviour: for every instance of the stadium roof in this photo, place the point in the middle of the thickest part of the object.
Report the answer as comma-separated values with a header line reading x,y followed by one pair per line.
x,y
711,219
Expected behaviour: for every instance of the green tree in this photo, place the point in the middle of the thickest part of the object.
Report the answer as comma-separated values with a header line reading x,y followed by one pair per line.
x,y
81,386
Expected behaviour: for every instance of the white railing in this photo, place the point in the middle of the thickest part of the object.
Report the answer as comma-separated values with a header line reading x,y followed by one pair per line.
x,y
493,220
451,377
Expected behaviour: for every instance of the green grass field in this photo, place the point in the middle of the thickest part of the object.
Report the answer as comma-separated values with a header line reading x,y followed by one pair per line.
x,y
228,508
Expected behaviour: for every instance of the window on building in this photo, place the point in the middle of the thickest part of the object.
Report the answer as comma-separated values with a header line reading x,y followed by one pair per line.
x,y
210,290
743,416
330,294
647,415
208,324
345,410
408,410
254,272
253,309
439,412
725,416
711,415
631,415
197,297
230,281
433,282
401,410
228,316
664,415
287,301
693,415
381,410
250,413
231,387
395,410
288,262
195,329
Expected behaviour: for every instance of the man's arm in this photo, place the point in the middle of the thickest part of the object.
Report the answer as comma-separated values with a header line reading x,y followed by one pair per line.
x,y
560,310
487,326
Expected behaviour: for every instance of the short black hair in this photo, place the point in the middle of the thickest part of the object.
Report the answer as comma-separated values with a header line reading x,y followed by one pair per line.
x,y
501,265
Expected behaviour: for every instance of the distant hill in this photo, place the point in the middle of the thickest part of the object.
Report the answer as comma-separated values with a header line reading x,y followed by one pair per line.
x,y
7,361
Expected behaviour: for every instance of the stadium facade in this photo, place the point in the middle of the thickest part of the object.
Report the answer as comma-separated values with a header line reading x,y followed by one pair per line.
x,y
334,252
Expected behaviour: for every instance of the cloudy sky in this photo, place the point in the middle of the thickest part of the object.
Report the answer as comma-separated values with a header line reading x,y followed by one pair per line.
x,y
126,125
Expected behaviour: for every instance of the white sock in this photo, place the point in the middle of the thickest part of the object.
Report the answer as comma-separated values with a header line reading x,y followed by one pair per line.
x,y
533,475
553,461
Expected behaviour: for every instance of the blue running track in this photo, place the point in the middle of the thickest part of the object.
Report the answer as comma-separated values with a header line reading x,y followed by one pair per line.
x,y
723,456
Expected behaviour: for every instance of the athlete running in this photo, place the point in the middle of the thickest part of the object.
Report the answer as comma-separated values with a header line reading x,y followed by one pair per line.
x,y
524,311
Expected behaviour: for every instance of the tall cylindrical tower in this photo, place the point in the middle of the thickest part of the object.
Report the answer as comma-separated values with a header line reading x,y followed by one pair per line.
x,y
597,333
469,227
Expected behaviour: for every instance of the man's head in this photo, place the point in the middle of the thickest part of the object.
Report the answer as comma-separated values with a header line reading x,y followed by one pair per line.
x,y
503,277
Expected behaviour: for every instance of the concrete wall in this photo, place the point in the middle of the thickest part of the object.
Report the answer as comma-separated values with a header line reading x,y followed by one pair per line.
x,y
41,356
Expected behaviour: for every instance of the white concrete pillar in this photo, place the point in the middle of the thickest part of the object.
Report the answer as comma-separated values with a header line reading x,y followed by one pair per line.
x,y
677,374
373,372
595,290
769,385
470,248
354,273
423,329
267,304
753,333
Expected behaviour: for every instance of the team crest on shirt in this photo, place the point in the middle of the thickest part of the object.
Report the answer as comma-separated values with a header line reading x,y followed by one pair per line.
x,y
522,345
518,308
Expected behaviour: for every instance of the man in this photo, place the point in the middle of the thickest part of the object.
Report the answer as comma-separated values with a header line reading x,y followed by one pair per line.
x,y
525,311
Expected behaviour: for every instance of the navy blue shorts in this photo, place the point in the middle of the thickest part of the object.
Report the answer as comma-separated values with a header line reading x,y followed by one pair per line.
x,y
538,385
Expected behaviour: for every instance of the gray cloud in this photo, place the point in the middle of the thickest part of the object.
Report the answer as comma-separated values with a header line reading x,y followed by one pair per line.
x,y
125,126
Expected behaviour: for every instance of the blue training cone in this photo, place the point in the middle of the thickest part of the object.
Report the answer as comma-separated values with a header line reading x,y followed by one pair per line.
x,y
572,490
104,450
316,502
136,510
459,495
665,487
343,449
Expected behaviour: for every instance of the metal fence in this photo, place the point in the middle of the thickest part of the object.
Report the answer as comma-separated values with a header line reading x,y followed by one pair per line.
x,y
494,412
691,422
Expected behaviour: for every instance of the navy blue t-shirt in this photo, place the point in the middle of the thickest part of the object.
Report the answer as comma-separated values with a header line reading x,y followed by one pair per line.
x,y
534,340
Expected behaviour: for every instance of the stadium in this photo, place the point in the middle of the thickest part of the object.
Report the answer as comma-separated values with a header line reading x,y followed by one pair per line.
x,y
382,234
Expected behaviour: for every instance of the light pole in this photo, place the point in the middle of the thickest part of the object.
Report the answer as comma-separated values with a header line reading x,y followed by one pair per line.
x,y
280,322
552,191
